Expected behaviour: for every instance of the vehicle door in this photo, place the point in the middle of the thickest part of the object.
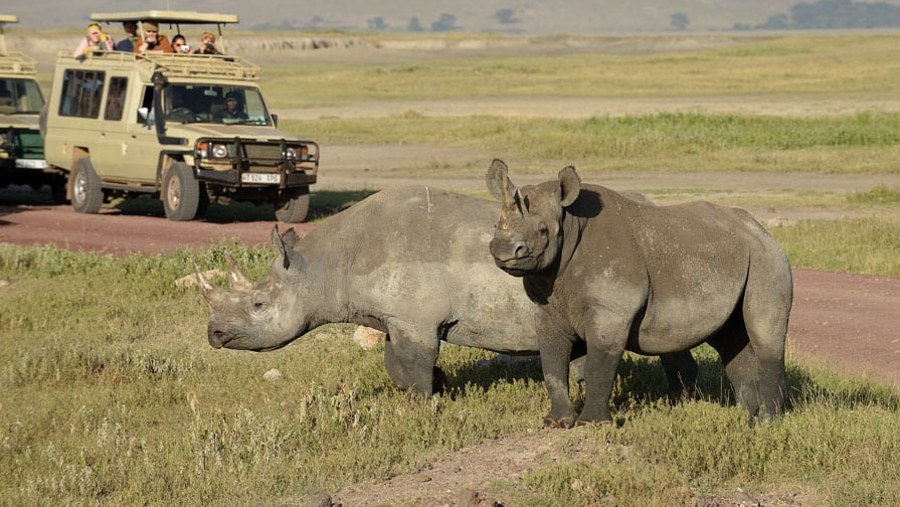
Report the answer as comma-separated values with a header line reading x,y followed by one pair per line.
x,y
111,152
142,154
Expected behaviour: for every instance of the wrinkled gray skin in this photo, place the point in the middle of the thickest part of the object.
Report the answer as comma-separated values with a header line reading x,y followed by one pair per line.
x,y
411,262
625,275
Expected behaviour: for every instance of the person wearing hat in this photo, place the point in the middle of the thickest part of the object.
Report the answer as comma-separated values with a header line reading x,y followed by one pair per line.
x,y
207,45
93,40
232,111
153,40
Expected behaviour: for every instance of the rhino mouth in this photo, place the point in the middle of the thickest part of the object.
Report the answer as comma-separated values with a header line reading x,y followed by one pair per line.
x,y
514,271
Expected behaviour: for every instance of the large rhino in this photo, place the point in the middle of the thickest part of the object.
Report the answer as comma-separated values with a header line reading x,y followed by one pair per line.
x,y
412,262
616,274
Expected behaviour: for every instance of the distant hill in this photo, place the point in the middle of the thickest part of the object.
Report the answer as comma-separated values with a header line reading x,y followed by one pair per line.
x,y
510,16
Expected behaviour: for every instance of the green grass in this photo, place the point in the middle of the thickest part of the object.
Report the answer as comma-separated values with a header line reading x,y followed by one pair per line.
x,y
848,65
866,142
865,245
112,396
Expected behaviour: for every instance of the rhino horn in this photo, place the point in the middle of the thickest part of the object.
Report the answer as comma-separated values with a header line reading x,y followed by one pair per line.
x,y
238,280
206,288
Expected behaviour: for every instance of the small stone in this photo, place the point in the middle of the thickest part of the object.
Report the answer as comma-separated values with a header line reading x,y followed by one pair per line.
x,y
367,338
320,500
273,375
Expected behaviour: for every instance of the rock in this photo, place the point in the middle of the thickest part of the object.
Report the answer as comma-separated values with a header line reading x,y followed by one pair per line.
x,y
321,500
471,498
367,338
273,375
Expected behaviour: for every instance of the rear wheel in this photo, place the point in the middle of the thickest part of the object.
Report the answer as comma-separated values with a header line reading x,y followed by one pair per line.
x,y
180,193
87,196
293,206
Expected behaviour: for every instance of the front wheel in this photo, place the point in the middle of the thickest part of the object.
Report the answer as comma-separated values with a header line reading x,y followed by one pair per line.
x,y
293,206
87,196
180,193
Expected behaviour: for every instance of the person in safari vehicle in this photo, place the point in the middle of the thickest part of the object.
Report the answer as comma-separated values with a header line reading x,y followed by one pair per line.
x,y
233,112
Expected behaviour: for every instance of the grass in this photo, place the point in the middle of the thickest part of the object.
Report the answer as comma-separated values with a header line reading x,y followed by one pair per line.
x,y
862,143
865,245
112,396
777,65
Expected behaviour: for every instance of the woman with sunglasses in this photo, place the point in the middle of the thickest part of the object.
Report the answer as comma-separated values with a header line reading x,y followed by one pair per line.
x,y
94,40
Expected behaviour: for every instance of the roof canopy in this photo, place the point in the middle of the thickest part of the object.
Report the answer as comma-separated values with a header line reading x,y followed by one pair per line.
x,y
167,17
9,18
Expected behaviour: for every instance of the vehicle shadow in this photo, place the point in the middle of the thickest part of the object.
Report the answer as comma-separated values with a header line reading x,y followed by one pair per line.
x,y
323,204
19,199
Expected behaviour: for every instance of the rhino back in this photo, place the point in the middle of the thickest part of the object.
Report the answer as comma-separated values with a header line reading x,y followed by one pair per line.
x,y
693,258
421,254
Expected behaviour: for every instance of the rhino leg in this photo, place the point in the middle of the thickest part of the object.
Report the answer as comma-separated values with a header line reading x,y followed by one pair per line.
x,y
681,374
741,364
766,322
410,356
556,352
605,346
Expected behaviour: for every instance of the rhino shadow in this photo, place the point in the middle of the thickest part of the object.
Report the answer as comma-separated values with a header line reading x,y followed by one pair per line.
x,y
641,379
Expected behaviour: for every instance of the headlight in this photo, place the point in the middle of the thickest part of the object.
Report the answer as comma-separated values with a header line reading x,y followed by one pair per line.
x,y
290,153
219,151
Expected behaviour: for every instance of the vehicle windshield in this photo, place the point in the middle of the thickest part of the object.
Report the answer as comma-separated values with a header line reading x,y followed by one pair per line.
x,y
204,103
20,96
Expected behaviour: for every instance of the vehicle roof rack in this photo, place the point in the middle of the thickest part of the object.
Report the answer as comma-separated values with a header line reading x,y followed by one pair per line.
x,y
179,65
170,17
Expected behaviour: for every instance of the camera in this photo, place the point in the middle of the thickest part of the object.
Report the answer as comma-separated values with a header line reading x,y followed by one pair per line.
x,y
185,49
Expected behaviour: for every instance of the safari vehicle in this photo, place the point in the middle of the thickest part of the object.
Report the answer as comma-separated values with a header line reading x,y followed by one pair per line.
x,y
123,124
21,148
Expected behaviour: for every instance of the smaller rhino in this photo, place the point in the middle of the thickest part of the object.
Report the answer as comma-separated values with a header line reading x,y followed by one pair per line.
x,y
411,262
615,274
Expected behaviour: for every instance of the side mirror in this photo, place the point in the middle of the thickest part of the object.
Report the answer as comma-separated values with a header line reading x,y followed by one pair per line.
x,y
275,119
146,116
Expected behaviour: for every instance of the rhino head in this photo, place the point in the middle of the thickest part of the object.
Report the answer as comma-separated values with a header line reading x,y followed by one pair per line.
x,y
528,235
261,316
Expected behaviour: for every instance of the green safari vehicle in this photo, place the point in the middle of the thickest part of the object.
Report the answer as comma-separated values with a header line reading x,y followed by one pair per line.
x,y
21,147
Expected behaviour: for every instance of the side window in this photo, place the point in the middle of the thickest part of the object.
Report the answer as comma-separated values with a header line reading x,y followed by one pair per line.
x,y
115,100
81,93
146,103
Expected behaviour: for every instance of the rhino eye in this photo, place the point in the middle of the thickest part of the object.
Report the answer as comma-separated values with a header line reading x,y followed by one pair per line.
x,y
259,305
543,229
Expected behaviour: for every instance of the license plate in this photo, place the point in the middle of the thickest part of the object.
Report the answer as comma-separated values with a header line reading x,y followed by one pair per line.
x,y
261,178
30,163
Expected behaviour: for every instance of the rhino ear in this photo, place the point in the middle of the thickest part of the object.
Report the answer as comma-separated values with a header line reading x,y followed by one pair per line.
x,y
569,186
290,259
497,177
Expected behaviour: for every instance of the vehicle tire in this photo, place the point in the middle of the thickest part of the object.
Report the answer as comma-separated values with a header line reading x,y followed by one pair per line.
x,y
87,196
293,206
180,193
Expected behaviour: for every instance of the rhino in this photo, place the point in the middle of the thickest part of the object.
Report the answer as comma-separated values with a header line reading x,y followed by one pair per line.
x,y
412,262
613,274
